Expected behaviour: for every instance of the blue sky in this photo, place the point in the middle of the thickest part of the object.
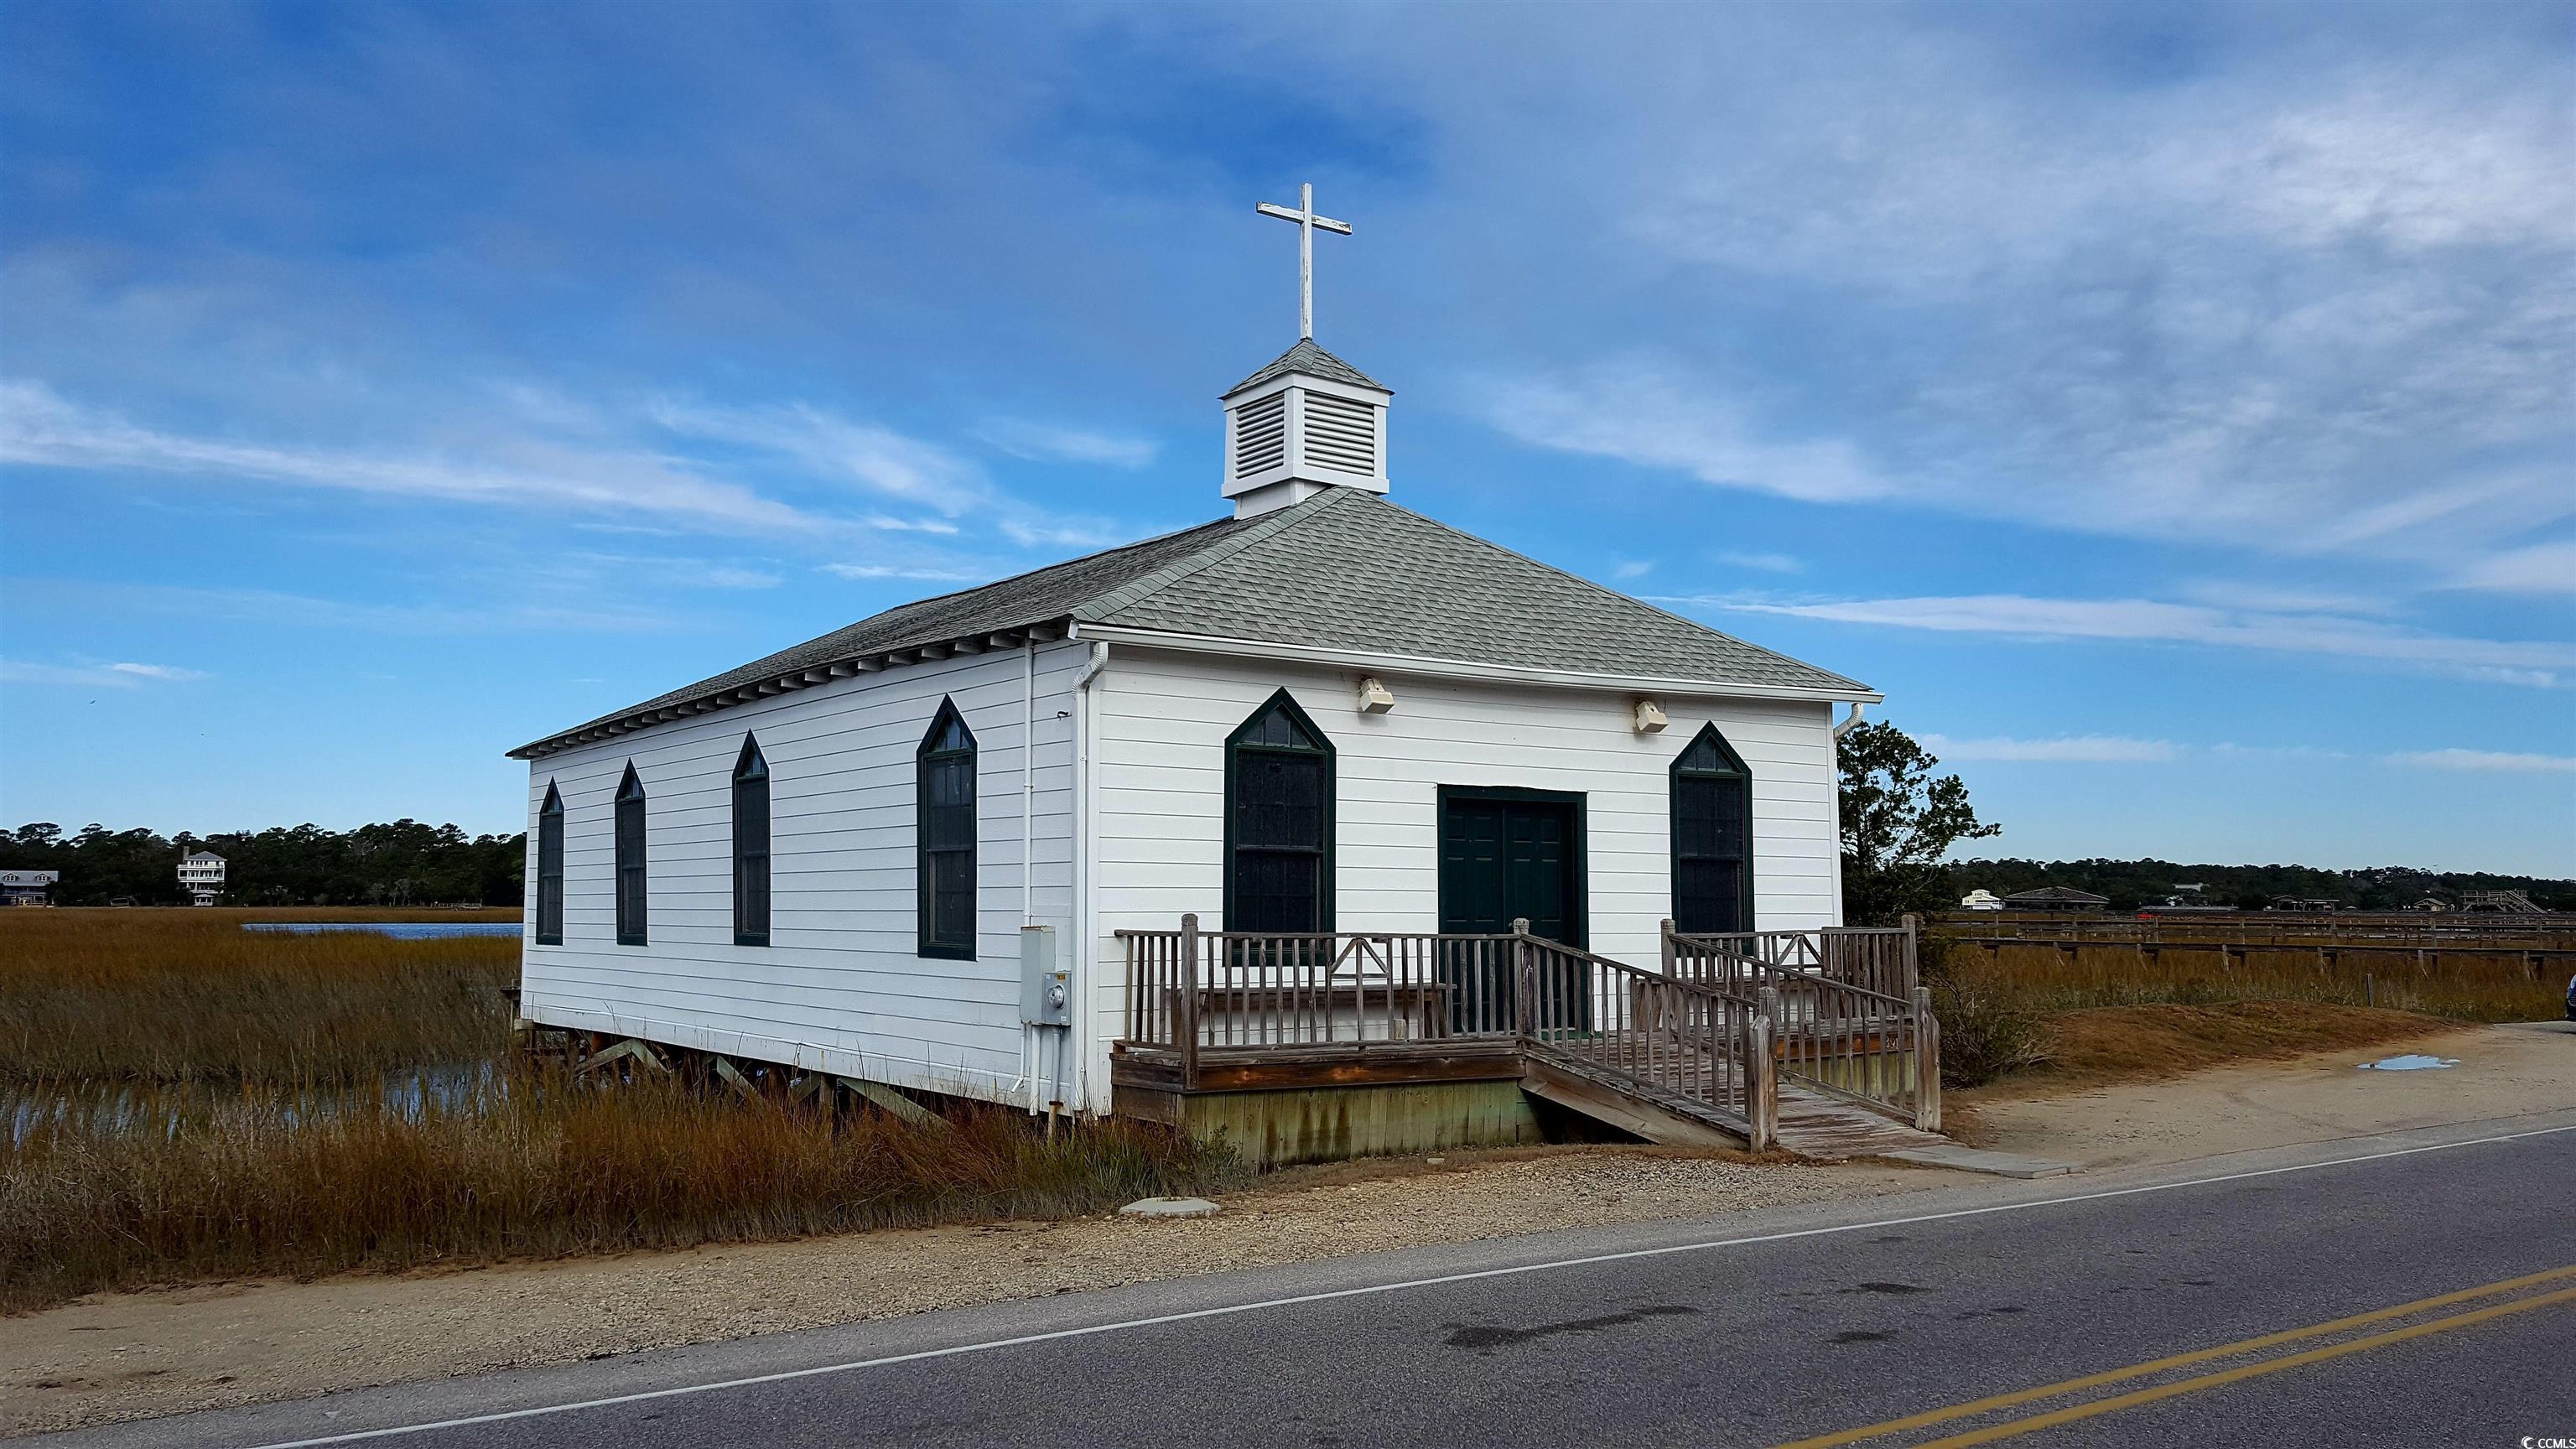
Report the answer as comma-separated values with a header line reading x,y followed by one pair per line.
x,y
2167,406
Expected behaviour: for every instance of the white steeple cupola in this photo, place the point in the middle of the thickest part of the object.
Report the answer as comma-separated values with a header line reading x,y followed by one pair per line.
x,y
1305,423
1308,421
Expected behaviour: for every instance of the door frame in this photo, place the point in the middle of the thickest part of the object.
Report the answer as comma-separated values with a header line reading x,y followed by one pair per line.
x,y
1578,900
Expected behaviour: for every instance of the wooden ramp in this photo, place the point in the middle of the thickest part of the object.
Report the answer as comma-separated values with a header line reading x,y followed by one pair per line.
x,y
1622,1100
1816,1124
1812,1123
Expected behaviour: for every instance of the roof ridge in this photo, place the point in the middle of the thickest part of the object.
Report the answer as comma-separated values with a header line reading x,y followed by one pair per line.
x,y
1146,586
1605,589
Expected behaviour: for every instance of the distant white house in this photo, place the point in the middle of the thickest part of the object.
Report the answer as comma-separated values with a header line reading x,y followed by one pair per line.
x,y
201,875
1320,712
27,887
1981,899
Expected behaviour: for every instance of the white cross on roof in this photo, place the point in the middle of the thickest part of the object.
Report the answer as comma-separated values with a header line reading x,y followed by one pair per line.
x,y
1306,219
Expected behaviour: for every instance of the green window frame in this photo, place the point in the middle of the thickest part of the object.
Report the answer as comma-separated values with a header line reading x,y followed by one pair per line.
x,y
1280,787
1712,837
550,868
632,882
944,837
750,846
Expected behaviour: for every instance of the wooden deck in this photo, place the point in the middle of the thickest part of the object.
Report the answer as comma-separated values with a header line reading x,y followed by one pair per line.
x,y
1717,1045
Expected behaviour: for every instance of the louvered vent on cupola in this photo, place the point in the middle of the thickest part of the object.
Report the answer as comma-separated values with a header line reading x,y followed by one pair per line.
x,y
1307,422
1260,436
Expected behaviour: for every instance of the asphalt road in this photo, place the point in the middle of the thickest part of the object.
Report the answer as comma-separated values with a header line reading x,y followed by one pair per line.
x,y
2400,1290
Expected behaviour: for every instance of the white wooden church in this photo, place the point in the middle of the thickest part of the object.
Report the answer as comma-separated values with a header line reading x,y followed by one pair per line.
x,y
1320,712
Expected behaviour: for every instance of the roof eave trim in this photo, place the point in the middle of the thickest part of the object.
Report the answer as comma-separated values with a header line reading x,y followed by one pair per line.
x,y
1046,631
1464,669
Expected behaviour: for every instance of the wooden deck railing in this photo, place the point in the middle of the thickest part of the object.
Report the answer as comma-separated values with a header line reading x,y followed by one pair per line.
x,y
1841,1029
1711,1030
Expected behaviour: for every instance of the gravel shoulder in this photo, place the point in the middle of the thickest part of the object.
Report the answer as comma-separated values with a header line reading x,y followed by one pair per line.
x,y
139,1355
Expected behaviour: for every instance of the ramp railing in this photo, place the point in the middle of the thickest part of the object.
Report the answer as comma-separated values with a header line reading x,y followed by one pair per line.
x,y
1839,1031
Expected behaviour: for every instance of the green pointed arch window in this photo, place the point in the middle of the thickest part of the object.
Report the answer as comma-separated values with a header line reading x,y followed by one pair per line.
x,y
1712,837
550,856
1279,822
750,846
944,835
630,859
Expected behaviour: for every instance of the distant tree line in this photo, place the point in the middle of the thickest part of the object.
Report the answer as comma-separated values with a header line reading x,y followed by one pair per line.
x,y
2134,883
1902,821
402,864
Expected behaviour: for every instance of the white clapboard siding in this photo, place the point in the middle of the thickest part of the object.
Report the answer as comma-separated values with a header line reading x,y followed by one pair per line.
x,y
841,984
1160,720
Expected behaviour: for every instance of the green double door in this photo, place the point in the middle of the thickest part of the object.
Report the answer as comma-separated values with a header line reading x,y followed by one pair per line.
x,y
1506,856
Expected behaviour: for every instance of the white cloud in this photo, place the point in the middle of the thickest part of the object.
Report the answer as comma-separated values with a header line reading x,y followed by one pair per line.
x,y
93,676
875,457
1037,530
1652,412
2307,299
885,524
2492,760
2540,568
2528,662
2085,749
1769,563
305,611
1047,443
730,578
1633,568
40,428
901,571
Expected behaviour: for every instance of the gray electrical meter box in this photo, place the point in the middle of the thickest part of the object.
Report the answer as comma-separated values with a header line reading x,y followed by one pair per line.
x,y
1046,988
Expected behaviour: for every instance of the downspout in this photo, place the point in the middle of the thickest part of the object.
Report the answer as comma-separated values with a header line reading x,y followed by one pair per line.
x,y
1033,1036
1028,774
1076,1044
1848,720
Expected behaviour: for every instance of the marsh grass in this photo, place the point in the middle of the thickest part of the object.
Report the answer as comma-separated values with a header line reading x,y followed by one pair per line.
x,y
187,995
181,1100
163,1185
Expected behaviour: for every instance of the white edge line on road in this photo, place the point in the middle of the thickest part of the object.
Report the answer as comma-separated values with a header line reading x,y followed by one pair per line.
x,y
1157,1320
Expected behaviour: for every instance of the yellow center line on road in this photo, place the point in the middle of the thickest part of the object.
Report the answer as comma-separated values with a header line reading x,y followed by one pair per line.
x,y
2248,1371
2152,1367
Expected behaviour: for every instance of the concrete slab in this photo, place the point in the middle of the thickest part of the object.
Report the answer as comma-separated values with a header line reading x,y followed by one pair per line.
x,y
1977,1159
1170,1207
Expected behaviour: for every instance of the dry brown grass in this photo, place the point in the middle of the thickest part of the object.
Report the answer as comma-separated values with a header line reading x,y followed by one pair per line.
x,y
2105,1045
184,995
174,1185
2465,985
184,1100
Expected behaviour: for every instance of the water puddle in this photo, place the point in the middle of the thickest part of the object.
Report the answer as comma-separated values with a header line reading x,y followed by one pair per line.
x,y
2415,1062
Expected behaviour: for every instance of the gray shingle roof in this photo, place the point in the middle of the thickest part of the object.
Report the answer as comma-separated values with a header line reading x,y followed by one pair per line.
x,y
1344,570
1314,361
